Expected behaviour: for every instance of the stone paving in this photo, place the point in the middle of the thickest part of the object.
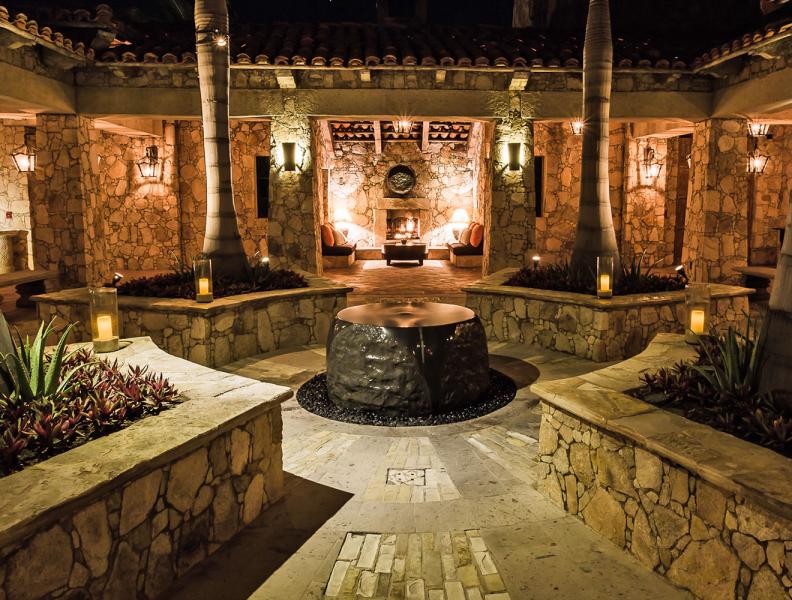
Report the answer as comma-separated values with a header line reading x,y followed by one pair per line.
x,y
353,523
374,281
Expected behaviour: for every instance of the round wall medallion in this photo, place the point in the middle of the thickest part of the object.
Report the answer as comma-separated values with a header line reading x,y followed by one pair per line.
x,y
401,180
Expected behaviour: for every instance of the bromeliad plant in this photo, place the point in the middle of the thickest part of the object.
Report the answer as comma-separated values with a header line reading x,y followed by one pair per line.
x,y
53,400
721,389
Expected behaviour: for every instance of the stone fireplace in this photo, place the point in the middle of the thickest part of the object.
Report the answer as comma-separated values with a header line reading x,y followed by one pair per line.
x,y
393,216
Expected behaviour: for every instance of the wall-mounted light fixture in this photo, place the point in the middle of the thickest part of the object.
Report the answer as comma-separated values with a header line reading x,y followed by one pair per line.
x,y
757,162
289,150
515,150
757,129
24,157
402,125
215,36
651,165
149,165
576,125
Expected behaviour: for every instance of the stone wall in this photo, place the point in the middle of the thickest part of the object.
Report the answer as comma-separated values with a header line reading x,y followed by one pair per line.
x,y
174,489
600,330
716,222
772,193
218,333
13,184
555,229
445,180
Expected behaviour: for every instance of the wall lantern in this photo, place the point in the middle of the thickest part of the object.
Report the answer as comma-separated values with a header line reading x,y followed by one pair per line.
x,y
756,129
24,157
289,156
104,318
576,125
149,165
697,306
651,165
202,270
604,276
757,162
515,149
402,125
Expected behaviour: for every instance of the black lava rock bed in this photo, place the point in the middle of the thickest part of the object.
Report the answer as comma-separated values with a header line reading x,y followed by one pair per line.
x,y
313,397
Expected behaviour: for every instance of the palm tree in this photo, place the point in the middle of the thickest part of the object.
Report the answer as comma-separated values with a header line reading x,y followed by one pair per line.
x,y
777,371
595,234
222,242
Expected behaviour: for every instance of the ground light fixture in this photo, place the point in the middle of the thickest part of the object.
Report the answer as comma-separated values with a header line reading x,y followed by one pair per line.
x,y
536,259
697,307
149,165
515,149
202,270
104,318
604,276
24,157
576,125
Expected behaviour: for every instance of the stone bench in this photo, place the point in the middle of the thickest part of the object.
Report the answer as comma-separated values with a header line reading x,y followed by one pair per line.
x,y
759,278
710,512
126,514
29,283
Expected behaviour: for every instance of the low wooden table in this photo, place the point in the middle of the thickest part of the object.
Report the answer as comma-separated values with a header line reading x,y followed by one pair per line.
x,y
408,251
30,282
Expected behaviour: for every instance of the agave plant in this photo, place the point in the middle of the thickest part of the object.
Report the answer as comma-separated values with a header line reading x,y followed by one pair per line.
x,y
27,372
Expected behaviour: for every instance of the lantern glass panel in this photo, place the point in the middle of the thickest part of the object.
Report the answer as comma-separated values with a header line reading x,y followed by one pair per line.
x,y
204,291
104,318
604,276
698,297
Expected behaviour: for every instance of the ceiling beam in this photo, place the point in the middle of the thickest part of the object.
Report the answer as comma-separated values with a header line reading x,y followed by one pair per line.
x,y
377,137
425,136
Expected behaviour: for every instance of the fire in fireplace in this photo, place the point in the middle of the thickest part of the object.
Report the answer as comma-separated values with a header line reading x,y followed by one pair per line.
x,y
403,224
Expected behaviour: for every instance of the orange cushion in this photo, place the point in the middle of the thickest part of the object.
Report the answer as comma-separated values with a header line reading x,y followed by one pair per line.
x,y
476,235
328,239
464,237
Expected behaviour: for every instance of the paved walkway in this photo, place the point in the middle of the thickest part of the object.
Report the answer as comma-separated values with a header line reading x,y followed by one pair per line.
x,y
442,513
374,281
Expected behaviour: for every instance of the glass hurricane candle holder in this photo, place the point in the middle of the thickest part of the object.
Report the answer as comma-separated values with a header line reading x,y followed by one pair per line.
x,y
604,276
104,319
202,269
697,306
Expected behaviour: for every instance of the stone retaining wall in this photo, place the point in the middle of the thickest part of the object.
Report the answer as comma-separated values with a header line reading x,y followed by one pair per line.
x,y
124,515
220,332
600,330
708,511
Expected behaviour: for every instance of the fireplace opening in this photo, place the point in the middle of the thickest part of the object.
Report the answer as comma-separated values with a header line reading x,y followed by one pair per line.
x,y
402,224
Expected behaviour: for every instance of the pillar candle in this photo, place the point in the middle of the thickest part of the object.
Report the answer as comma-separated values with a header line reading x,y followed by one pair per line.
x,y
697,321
203,286
104,328
604,283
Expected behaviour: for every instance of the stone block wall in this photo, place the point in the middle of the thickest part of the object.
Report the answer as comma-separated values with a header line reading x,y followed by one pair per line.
x,y
598,330
14,185
702,537
137,537
211,337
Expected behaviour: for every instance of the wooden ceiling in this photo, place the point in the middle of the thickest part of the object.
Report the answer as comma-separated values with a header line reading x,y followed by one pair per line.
x,y
381,132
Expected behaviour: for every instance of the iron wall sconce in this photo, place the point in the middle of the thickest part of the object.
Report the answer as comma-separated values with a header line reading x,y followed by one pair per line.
x,y
515,149
756,129
652,166
576,125
24,157
289,150
149,165
757,162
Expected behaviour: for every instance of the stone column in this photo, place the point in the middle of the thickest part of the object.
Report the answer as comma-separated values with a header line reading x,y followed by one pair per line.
x,y
293,238
57,203
716,220
510,232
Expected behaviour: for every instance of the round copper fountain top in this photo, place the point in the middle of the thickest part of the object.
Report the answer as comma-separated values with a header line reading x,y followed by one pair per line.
x,y
407,314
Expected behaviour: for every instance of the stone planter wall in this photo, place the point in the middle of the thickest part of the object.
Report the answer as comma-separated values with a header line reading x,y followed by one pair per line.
x,y
708,511
600,330
124,515
220,332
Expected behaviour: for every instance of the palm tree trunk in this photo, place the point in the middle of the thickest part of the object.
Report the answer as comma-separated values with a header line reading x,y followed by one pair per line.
x,y
222,242
595,233
777,331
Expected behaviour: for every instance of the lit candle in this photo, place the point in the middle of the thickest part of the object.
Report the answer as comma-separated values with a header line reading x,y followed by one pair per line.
x,y
697,321
604,283
203,286
104,328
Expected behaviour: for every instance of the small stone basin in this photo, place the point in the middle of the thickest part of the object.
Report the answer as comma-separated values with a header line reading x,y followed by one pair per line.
x,y
407,359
